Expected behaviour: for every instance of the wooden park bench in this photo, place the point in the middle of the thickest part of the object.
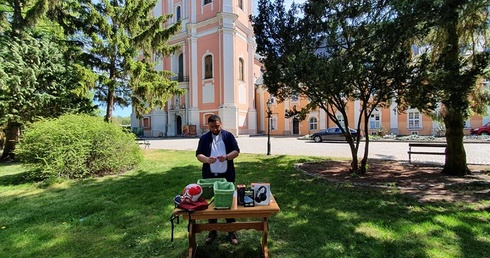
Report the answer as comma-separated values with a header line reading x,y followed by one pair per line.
x,y
142,141
425,145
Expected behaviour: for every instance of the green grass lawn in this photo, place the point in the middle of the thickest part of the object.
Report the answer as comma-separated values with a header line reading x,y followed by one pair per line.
x,y
128,216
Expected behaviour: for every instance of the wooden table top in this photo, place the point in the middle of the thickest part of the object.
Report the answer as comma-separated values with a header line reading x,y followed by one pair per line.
x,y
235,211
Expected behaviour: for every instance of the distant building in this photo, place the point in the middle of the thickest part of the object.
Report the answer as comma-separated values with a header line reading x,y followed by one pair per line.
x,y
218,67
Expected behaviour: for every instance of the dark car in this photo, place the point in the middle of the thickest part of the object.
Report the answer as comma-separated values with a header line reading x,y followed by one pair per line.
x,y
482,130
331,134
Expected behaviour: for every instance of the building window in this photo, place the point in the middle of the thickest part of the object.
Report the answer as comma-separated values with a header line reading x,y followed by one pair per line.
x,y
272,100
273,123
340,118
414,118
181,68
146,122
208,67
178,14
294,97
374,120
241,77
208,1
240,4
486,84
177,101
313,123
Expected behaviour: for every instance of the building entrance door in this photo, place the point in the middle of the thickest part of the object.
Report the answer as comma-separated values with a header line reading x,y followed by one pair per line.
x,y
179,125
295,126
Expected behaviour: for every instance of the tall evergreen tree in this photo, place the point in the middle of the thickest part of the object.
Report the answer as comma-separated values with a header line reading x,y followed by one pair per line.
x,y
36,81
39,75
123,42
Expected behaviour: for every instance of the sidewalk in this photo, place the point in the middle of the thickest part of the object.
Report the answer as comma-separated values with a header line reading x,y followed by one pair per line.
x,y
476,153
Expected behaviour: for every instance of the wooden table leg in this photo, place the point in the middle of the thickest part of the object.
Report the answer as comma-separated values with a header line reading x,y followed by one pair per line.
x,y
192,238
265,230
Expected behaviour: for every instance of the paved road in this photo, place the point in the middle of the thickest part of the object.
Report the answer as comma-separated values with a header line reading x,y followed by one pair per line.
x,y
476,153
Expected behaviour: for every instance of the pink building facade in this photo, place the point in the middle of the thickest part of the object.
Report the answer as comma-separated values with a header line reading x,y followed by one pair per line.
x,y
215,64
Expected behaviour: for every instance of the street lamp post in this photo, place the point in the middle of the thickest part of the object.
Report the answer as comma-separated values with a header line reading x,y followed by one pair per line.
x,y
269,112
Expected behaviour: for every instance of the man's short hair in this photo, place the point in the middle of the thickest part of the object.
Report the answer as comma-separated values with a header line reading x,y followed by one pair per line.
x,y
214,118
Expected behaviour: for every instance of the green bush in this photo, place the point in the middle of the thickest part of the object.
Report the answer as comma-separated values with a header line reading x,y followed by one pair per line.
x,y
77,146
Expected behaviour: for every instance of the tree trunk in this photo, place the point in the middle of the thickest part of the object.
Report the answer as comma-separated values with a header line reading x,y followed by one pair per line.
x,y
456,92
455,164
110,106
355,161
11,137
366,146
363,169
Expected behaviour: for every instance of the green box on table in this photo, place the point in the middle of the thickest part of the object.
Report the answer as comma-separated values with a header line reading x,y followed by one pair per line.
x,y
207,185
223,195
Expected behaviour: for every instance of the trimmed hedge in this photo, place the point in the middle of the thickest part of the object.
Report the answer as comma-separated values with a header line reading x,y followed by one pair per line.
x,y
77,146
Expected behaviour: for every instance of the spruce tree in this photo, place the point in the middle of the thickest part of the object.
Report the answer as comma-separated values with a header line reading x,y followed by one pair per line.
x,y
39,73
123,41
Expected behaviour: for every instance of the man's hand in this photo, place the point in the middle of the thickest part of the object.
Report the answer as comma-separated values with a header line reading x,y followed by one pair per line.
x,y
211,160
222,158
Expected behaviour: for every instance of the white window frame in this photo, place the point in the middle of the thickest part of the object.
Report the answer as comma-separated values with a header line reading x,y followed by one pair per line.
x,y
313,123
414,119
273,124
204,66
375,120
241,69
340,118
178,13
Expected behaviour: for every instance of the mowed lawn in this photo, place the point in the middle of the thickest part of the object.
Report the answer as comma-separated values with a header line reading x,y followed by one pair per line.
x,y
128,215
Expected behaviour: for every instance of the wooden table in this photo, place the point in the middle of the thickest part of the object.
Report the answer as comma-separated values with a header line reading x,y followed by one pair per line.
x,y
261,213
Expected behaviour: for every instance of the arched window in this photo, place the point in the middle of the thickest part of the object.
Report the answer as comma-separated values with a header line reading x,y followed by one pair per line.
x,y
208,67
313,123
177,13
241,76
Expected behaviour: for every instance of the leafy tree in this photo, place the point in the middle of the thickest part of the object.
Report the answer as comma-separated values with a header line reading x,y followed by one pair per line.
x,y
449,73
123,40
335,53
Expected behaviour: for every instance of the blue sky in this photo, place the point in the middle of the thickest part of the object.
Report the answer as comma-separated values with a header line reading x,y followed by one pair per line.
x,y
124,112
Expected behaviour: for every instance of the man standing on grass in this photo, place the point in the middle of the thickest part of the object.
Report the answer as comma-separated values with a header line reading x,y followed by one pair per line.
x,y
216,150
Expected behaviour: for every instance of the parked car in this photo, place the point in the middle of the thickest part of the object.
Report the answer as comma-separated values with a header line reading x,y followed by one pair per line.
x,y
331,134
482,130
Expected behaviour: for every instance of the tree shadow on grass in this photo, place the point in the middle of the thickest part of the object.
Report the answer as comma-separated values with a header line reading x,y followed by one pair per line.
x,y
15,178
128,215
